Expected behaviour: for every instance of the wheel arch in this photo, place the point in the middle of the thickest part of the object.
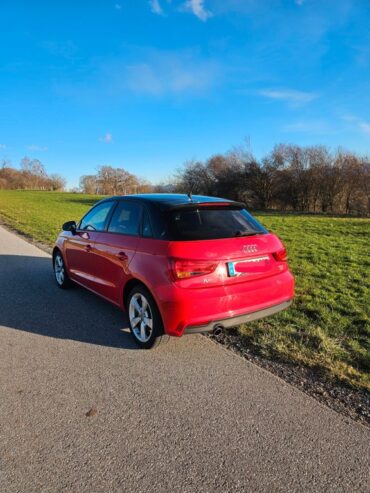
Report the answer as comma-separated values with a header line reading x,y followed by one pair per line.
x,y
128,287
138,282
55,251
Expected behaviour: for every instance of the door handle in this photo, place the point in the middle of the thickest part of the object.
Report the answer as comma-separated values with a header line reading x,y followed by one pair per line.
x,y
122,256
88,248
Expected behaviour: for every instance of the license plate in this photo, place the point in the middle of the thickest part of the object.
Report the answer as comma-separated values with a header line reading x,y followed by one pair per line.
x,y
251,265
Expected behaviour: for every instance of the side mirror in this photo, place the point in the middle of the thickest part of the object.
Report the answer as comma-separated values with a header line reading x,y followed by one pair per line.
x,y
70,226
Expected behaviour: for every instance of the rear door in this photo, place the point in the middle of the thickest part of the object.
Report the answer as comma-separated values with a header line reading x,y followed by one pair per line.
x,y
80,247
224,242
115,248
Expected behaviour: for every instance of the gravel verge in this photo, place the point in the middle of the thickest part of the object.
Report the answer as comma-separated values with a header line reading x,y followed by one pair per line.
x,y
352,403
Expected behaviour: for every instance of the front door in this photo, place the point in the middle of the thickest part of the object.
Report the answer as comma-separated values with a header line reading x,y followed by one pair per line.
x,y
80,247
115,248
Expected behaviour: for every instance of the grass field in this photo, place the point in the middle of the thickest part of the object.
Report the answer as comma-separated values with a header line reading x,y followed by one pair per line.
x,y
328,327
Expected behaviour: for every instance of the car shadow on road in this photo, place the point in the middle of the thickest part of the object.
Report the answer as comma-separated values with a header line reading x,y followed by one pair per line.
x,y
31,301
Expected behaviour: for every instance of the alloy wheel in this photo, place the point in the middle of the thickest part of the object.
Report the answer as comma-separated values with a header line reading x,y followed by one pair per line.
x,y
141,318
59,269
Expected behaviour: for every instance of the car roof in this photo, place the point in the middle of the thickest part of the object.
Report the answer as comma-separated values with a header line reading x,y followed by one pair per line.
x,y
169,200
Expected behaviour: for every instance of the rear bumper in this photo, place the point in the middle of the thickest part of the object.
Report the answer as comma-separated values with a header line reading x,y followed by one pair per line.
x,y
240,319
188,308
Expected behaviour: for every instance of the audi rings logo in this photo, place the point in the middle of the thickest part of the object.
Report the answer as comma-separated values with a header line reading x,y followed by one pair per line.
x,y
250,248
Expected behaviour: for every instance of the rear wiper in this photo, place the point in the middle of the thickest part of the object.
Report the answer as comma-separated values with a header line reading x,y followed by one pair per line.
x,y
246,233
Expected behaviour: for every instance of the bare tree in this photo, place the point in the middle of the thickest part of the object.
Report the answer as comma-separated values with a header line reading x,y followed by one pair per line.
x,y
57,182
32,176
310,179
5,163
88,184
365,182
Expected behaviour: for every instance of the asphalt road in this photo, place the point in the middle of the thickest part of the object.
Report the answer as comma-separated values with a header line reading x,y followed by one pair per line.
x,y
188,417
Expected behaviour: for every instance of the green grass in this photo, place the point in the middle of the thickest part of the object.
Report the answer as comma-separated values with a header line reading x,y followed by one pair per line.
x,y
40,215
328,326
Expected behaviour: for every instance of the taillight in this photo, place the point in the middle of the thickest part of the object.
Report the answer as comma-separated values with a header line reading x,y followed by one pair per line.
x,y
281,255
185,269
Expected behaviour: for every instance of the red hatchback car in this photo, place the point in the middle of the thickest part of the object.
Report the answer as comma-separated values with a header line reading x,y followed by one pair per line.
x,y
176,264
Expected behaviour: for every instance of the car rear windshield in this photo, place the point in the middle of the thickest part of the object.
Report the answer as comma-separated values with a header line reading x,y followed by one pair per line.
x,y
207,223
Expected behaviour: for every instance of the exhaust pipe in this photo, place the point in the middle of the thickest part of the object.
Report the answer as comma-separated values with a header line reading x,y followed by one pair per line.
x,y
218,332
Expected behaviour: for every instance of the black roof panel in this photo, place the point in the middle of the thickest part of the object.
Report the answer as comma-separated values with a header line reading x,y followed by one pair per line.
x,y
170,199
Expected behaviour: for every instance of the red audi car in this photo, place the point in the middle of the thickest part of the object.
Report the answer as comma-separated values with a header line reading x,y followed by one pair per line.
x,y
176,264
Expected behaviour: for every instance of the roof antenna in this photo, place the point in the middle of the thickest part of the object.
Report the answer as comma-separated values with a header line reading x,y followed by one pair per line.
x,y
190,196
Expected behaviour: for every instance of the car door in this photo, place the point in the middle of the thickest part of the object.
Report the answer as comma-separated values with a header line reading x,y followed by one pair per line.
x,y
80,247
116,247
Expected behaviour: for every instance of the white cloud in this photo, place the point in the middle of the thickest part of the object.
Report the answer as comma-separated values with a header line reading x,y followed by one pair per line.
x,y
365,127
198,9
359,124
307,126
152,72
156,7
107,138
37,148
289,95
171,73
2,146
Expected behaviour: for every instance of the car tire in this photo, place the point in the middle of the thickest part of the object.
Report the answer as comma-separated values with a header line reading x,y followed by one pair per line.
x,y
144,319
60,271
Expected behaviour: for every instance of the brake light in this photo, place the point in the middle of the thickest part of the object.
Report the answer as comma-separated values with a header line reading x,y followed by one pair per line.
x,y
185,269
281,255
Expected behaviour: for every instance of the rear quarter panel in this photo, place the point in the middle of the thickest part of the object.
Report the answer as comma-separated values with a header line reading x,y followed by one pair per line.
x,y
151,266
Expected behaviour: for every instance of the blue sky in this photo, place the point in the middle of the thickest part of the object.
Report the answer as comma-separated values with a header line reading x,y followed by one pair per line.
x,y
147,85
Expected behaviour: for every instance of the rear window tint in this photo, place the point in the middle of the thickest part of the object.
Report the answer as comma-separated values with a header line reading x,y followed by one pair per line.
x,y
210,223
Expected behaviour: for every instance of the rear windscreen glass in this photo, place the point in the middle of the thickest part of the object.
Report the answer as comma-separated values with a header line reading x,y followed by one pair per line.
x,y
210,223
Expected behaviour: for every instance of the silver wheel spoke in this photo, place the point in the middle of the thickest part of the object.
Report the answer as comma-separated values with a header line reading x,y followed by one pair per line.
x,y
148,322
144,304
135,321
137,306
142,331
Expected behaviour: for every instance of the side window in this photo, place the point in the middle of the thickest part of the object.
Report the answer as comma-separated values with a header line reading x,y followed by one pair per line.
x,y
125,219
147,229
95,219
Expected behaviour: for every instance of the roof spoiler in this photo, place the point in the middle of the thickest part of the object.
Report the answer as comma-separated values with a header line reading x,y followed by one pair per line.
x,y
196,205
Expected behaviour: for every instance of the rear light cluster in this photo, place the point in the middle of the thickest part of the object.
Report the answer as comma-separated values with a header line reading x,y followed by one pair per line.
x,y
281,255
186,269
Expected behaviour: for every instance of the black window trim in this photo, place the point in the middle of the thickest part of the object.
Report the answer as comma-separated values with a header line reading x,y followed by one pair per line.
x,y
110,215
146,210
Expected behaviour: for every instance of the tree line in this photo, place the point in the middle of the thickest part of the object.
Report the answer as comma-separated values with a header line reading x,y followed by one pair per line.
x,y
31,176
114,181
289,178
